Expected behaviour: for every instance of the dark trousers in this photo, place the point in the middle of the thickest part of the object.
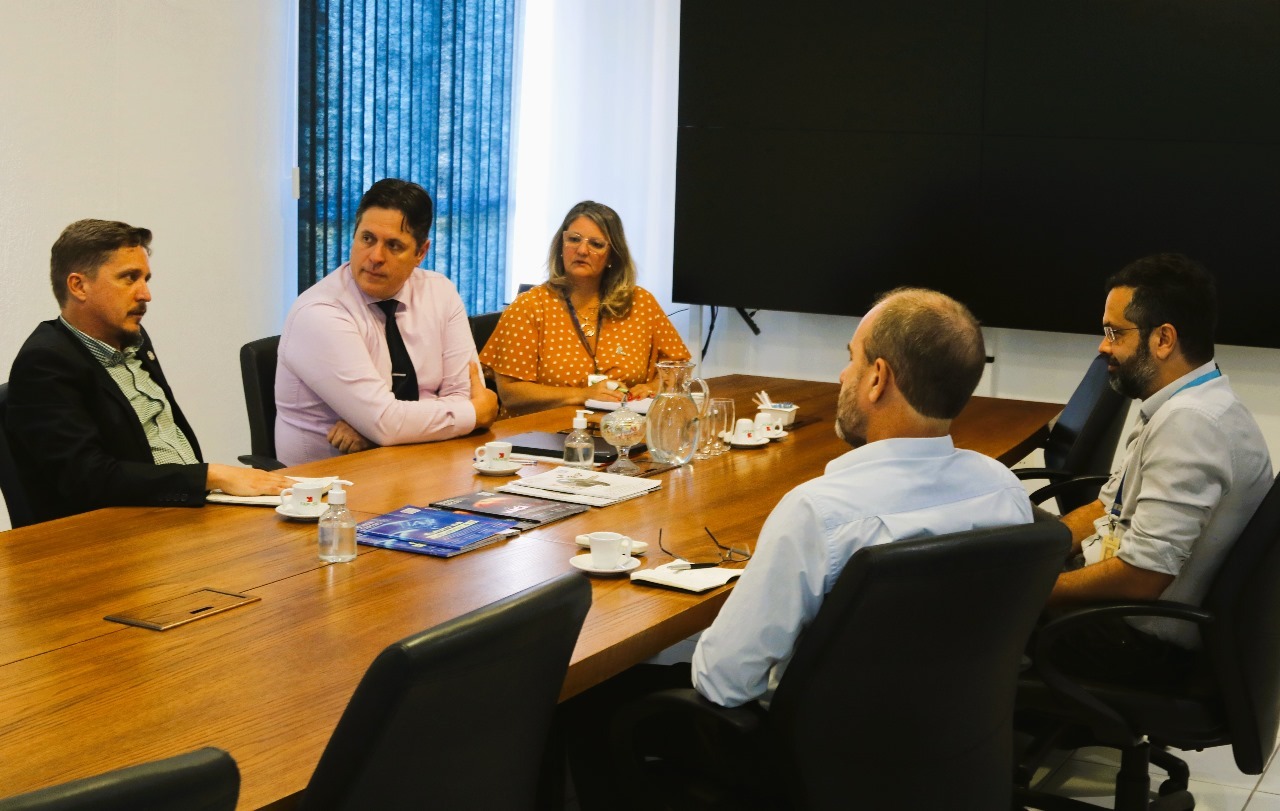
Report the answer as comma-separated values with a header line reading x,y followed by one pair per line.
x,y
682,751
1112,650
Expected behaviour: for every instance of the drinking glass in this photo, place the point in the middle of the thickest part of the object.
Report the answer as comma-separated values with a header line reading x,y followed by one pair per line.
x,y
723,421
706,426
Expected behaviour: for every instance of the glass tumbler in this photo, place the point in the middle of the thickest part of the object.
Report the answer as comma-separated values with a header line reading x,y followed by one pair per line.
x,y
721,418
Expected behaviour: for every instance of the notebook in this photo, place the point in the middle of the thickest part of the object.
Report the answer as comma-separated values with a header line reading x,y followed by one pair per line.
x,y
528,511
695,580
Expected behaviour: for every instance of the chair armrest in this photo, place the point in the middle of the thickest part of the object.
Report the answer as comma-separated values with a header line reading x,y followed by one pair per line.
x,y
260,462
1106,723
1070,485
1050,473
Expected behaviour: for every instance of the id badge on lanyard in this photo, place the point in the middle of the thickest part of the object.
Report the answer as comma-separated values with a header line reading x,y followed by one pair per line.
x,y
1111,539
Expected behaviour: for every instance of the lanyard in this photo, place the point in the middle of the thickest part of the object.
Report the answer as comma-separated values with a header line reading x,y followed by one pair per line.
x,y
1204,378
573,315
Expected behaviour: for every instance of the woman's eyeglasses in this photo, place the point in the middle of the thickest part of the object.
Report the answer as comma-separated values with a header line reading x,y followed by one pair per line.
x,y
572,240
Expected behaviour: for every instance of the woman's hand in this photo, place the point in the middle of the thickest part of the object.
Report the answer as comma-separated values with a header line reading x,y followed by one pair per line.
x,y
642,390
603,391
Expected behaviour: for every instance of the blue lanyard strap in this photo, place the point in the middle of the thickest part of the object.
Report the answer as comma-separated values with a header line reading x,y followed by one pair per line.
x,y
1204,378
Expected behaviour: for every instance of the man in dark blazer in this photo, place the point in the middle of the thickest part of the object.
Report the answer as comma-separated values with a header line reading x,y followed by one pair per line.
x,y
91,418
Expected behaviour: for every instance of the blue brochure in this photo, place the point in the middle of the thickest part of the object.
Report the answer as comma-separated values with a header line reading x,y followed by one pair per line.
x,y
432,532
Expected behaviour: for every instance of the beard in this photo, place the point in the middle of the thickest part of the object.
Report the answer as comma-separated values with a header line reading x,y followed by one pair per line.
x,y
851,423
1133,377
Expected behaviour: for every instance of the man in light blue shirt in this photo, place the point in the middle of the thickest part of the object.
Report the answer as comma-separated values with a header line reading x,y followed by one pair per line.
x,y
914,361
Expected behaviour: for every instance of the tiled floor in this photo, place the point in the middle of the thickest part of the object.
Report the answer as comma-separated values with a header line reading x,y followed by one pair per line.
x,y
1216,783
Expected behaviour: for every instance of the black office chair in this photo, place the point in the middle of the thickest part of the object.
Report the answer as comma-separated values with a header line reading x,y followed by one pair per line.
x,y
203,780
457,716
482,327
1236,700
900,693
1083,441
15,494
258,372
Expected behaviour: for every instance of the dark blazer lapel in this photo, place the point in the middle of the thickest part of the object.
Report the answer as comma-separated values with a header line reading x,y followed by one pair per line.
x,y
126,418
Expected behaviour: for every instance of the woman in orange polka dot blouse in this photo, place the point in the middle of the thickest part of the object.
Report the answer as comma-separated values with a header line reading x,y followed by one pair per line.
x,y
586,332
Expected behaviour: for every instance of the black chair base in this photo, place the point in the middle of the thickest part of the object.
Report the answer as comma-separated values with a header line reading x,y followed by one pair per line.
x,y
1133,782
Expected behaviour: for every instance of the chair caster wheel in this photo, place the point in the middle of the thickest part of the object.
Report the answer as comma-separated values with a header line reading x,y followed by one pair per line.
x,y
1171,785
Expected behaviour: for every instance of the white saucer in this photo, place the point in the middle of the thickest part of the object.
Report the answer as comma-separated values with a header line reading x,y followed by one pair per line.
x,y
501,470
583,562
637,547
779,435
295,515
754,443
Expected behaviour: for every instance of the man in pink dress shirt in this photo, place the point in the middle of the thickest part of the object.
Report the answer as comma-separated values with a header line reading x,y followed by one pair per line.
x,y
334,378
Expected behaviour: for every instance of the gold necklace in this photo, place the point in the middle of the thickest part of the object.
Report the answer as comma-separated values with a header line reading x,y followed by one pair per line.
x,y
588,320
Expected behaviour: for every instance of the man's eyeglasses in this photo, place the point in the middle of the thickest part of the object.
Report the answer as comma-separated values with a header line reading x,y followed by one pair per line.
x,y
1112,332
573,239
726,554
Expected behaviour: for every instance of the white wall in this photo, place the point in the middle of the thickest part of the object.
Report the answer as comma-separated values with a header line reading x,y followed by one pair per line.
x,y
176,115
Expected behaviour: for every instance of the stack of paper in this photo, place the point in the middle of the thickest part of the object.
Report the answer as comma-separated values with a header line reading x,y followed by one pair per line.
x,y
638,406
582,486
219,497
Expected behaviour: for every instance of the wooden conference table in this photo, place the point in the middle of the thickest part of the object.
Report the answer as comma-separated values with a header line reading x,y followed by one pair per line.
x,y
268,681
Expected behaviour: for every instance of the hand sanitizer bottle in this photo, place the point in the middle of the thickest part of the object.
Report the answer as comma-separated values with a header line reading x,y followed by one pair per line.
x,y
579,447
337,528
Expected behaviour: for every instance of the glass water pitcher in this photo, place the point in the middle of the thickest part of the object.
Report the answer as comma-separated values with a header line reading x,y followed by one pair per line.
x,y
674,416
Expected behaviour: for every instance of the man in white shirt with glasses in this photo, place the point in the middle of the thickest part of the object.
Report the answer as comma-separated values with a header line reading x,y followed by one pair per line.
x,y
1196,467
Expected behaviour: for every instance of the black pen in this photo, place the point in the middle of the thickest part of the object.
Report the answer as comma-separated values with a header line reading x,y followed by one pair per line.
x,y
681,565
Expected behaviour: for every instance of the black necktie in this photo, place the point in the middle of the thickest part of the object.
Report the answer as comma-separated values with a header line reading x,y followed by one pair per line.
x,y
404,381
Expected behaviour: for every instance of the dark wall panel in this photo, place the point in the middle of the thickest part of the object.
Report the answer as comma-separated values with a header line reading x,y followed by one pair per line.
x,y
1011,152
818,221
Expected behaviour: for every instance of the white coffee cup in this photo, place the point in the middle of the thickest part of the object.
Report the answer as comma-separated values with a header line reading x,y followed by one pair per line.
x,y
492,455
767,425
745,431
304,498
609,550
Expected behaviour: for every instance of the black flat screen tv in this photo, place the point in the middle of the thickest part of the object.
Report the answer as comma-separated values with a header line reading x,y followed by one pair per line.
x,y
1012,153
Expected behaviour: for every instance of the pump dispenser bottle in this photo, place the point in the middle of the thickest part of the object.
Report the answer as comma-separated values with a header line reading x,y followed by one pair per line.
x,y
579,447
337,528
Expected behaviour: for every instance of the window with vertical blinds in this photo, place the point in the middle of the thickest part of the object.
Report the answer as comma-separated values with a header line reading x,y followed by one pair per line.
x,y
414,89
